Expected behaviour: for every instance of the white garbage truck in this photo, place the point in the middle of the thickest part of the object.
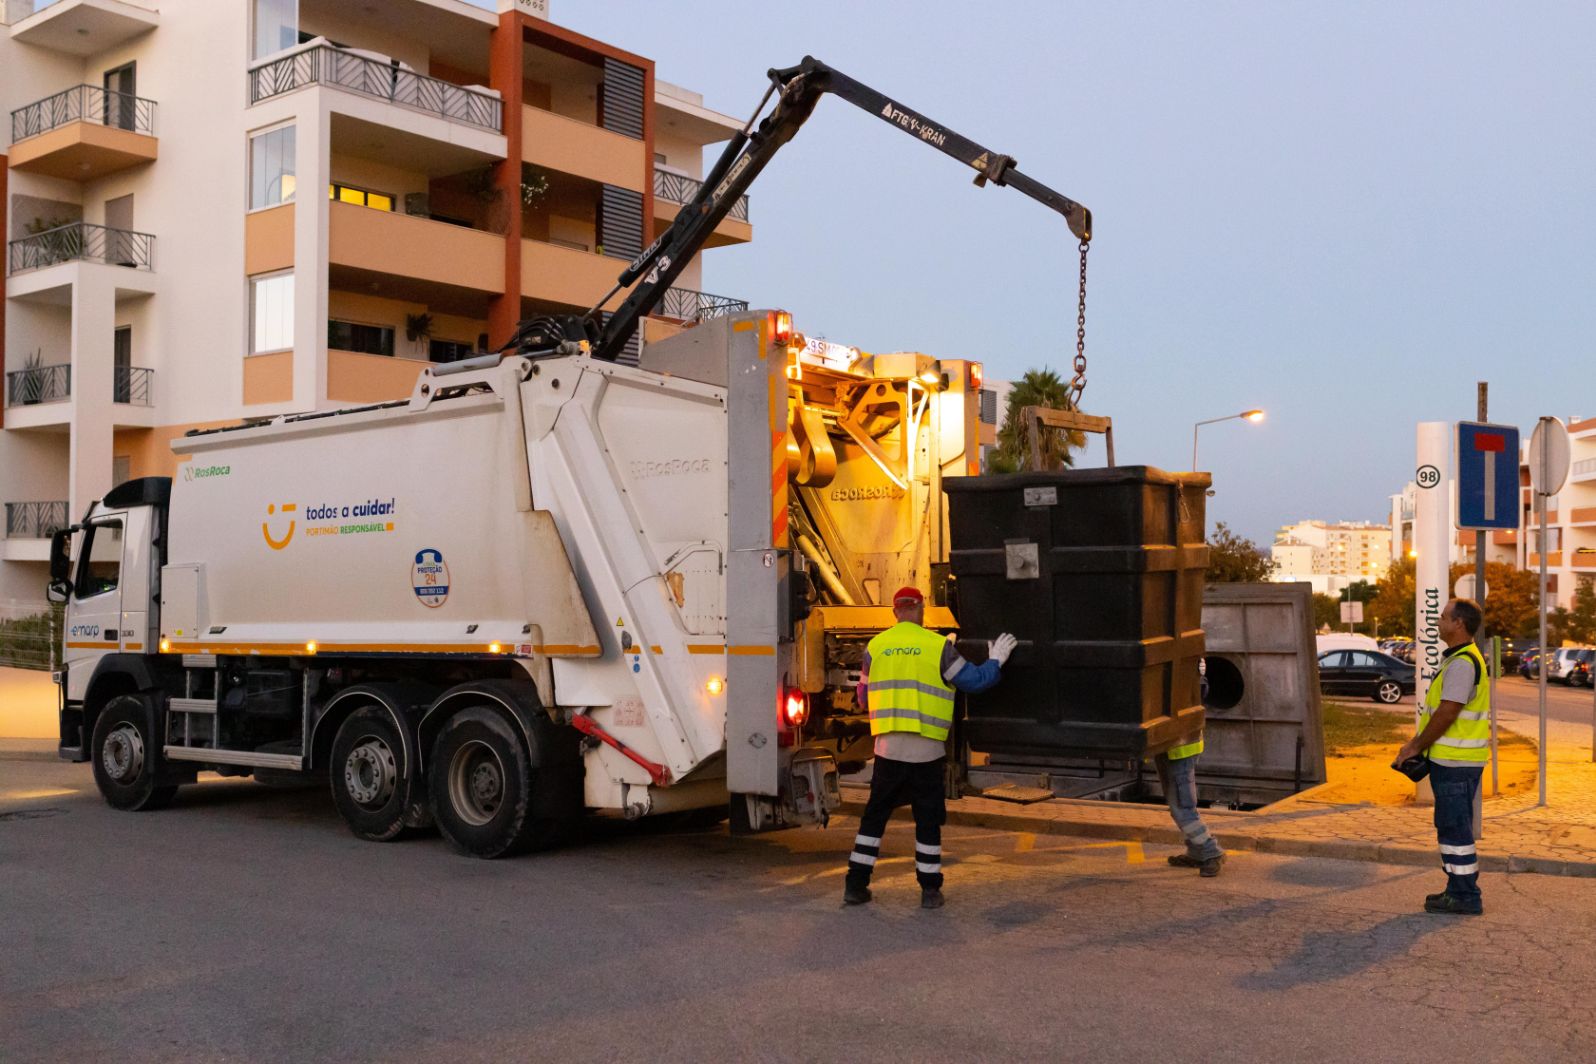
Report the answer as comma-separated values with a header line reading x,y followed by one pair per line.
x,y
547,582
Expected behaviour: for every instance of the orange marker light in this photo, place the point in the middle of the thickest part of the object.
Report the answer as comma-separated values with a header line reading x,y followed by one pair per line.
x,y
310,648
494,648
715,685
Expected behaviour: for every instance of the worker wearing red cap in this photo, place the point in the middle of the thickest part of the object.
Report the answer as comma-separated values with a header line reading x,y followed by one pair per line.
x,y
908,681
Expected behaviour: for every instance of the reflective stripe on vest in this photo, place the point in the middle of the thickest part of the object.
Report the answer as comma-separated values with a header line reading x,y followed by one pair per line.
x,y
905,688
1185,750
1469,737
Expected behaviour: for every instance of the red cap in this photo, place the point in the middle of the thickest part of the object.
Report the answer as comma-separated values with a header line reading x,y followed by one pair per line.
x,y
907,594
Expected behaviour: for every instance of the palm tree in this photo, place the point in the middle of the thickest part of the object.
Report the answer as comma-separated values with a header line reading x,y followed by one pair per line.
x,y
1038,387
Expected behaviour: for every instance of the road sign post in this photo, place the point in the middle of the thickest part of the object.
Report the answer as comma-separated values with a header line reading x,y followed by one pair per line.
x,y
1548,468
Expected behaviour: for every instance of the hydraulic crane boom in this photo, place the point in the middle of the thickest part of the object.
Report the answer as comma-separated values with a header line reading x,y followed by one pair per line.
x,y
798,89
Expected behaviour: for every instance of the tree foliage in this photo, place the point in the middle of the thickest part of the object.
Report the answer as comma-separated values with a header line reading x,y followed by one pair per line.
x,y
1234,559
1509,607
1573,625
1038,387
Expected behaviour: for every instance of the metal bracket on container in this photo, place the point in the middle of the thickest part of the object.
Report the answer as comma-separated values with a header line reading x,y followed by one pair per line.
x,y
1039,417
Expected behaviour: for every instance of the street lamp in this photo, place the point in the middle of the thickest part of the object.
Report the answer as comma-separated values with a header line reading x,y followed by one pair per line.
x,y
1254,416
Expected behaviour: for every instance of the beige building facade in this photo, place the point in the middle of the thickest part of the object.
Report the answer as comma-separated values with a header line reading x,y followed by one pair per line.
x,y
218,210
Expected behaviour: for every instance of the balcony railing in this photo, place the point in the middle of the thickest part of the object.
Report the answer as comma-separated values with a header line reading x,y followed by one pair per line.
x,y
678,188
132,385
35,520
326,65
39,384
81,240
1584,467
84,103
688,305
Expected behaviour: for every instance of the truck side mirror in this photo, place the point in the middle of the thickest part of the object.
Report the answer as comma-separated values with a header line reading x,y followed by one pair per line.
x,y
60,586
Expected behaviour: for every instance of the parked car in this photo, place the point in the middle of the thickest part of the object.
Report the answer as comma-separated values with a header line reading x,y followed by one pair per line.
x,y
1513,651
1529,662
1562,665
1367,673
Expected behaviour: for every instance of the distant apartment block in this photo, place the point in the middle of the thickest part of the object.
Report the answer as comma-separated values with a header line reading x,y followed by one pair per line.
x,y
1570,536
1330,556
236,209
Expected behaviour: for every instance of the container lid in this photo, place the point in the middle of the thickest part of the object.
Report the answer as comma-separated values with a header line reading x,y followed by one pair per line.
x,y
1070,477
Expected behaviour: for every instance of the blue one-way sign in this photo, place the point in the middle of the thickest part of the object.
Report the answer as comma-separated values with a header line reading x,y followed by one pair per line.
x,y
1487,476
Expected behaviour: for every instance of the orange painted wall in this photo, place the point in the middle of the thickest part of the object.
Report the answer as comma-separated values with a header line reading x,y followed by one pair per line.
x,y
269,378
356,378
269,240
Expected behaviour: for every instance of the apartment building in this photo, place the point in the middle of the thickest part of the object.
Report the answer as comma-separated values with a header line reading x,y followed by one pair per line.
x,y
1331,556
1570,535
173,261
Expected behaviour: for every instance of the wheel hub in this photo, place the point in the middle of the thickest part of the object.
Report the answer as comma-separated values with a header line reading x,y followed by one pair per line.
x,y
371,773
123,754
476,783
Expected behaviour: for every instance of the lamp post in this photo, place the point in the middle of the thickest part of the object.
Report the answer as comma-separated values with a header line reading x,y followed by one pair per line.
x,y
1254,416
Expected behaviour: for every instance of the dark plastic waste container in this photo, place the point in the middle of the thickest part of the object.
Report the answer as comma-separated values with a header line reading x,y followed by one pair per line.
x,y
1099,575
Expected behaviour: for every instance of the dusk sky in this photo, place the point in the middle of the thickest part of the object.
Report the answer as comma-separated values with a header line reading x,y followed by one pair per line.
x,y
1344,213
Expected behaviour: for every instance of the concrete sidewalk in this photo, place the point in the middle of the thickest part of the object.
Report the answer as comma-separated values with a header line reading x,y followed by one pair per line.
x,y
1558,840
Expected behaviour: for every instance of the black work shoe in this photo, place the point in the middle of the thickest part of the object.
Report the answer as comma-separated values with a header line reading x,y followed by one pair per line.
x,y
1210,868
930,898
1186,860
855,895
1454,906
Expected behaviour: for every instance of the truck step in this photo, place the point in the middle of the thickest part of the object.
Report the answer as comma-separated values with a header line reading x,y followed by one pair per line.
x,y
191,705
232,757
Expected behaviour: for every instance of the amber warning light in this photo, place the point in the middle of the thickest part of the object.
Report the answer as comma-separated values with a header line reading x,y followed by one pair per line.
x,y
781,328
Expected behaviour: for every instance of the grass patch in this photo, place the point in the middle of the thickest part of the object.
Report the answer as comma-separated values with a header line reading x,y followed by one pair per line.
x,y
1347,727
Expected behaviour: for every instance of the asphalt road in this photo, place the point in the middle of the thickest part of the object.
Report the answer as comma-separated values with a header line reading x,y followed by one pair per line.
x,y
245,923
1572,705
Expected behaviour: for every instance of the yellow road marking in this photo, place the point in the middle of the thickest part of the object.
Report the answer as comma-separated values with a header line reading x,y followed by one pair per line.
x,y
23,796
1133,850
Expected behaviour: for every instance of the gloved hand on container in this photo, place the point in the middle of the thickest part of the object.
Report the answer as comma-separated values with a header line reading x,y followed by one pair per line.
x,y
1001,648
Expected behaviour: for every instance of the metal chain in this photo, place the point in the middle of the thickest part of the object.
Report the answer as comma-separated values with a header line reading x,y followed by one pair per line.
x,y
1078,383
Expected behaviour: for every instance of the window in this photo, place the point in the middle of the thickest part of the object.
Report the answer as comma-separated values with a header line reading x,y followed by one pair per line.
x,y
1360,660
100,560
271,313
363,339
449,350
271,168
359,196
276,26
1336,659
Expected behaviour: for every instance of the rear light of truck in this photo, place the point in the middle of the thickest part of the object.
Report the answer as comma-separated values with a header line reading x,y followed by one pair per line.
x,y
795,707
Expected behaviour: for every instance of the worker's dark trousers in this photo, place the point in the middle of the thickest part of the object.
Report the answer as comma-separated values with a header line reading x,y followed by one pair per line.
x,y
895,783
1454,826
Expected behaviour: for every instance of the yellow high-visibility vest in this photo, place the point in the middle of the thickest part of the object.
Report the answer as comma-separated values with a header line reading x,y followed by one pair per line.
x,y
905,687
1468,740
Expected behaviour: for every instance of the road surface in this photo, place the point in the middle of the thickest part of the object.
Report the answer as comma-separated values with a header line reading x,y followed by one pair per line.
x,y
246,923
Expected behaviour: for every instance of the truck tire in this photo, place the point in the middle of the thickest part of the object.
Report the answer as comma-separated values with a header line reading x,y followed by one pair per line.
x,y
125,754
371,781
481,784
488,799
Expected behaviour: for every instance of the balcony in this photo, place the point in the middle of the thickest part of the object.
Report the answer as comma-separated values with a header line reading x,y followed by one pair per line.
x,y
581,149
83,133
368,245
133,386
679,188
672,189
684,304
1582,470
39,384
85,242
79,27
35,520
324,64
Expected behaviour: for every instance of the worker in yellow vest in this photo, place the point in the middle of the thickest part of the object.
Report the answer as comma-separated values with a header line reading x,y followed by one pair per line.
x,y
1177,774
1455,736
908,681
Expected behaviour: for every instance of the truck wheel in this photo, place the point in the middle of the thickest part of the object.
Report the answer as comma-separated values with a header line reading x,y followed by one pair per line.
x,y
371,784
481,782
125,754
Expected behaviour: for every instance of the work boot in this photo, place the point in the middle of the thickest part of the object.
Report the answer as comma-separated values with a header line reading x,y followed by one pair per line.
x,y
1185,860
1210,868
1452,905
852,895
931,898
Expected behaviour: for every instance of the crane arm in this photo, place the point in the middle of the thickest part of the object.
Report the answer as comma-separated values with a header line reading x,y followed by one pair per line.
x,y
798,89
